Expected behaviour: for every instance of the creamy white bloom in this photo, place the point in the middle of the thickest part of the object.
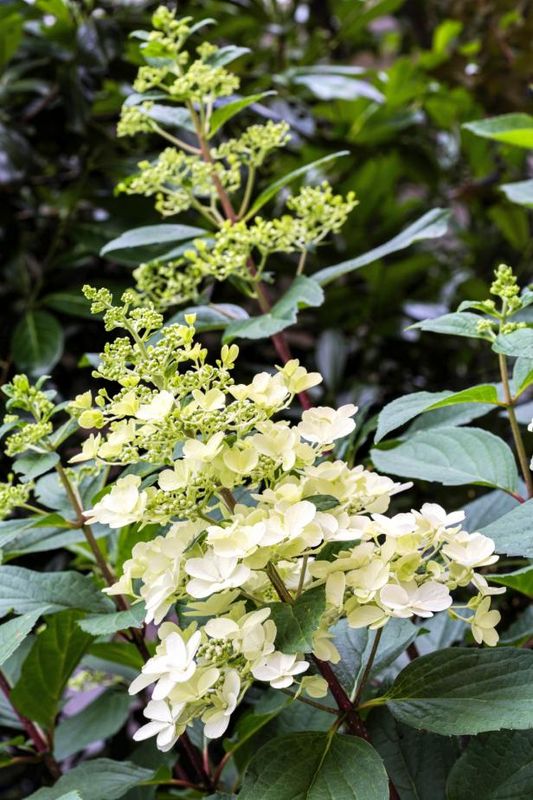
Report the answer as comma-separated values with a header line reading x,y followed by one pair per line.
x,y
203,452
225,701
436,516
265,390
162,724
484,622
214,573
123,505
89,449
279,669
322,425
173,663
471,550
407,598
157,409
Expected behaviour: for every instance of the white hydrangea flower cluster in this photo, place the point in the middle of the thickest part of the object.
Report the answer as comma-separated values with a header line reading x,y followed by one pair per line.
x,y
254,509
205,673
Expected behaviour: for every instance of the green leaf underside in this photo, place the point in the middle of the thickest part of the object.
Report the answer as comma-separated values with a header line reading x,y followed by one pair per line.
x,y
431,225
520,192
149,241
517,343
500,766
456,324
315,766
513,532
105,624
98,779
462,691
452,456
403,409
304,292
13,633
24,590
55,654
297,623
515,129
99,720
418,762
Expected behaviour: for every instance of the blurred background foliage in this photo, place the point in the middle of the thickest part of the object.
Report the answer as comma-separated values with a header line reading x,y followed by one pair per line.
x,y
390,81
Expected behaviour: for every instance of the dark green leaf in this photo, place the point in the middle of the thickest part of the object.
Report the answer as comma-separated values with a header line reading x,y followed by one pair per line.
x,y
69,302
225,112
520,579
462,691
315,766
31,465
297,623
430,226
45,672
24,591
99,720
98,779
498,765
418,762
37,342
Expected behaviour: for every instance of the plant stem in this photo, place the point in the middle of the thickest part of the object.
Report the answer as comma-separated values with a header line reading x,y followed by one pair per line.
x,y
38,738
368,666
353,720
309,702
278,339
515,427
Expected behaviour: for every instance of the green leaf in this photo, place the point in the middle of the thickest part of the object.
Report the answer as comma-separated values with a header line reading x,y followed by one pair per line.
x,y
275,187
225,55
98,779
488,508
13,633
430,226
513,532
498,765
315,766
456,324
514,129
31,465
105,624
520,192
323,502
69,302
225,112
11,30
101,719
517,343
171,117
45,672
149,242
297,623
418,763
214,317
355,646
24,591
521,629
522,375
463,691
403,409
452,456
37,342
303,292
337,87
520,579
449,417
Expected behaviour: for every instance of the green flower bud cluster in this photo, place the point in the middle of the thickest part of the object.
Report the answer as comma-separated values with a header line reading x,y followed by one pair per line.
x,y
13,496
505,286
317,213
33,425
257,141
